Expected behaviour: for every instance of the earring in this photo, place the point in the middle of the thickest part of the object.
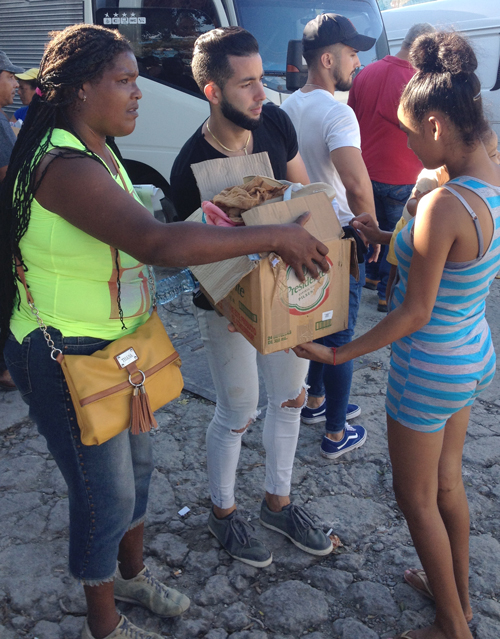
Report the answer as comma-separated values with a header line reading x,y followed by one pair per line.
x,y
84,99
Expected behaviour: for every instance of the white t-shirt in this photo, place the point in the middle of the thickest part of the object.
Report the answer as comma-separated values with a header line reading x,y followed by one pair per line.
x,y
323,124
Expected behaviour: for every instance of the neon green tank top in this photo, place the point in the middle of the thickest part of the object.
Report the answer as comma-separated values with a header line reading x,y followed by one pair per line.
x,y
73,276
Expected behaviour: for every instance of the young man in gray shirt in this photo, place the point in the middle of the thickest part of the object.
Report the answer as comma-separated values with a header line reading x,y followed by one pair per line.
x,y
8,86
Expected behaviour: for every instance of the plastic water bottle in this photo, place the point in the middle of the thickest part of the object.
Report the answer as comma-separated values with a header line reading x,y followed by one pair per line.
x,y
171,287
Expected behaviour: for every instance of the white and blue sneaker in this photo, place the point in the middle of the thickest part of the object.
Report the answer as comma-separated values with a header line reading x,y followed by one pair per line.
x,y
313,415
353,410
317,415
354,437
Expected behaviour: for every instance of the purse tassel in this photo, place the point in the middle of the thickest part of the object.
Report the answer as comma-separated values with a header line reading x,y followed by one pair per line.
x,y
142,418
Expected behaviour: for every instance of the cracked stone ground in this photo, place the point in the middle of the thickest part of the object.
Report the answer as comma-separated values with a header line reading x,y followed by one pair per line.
x,y
356,593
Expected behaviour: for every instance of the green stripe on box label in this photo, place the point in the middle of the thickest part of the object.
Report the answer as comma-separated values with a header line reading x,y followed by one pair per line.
x,y
251,316
321,325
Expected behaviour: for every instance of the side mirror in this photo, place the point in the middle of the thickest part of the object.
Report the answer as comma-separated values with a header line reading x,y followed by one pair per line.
x,y
296,70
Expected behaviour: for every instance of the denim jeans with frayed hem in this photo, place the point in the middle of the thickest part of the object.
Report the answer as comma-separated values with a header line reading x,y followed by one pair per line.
x,y
234,364
107,484
390,201
334,382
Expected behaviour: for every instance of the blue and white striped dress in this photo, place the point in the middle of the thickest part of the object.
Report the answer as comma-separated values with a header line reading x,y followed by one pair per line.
x,y
442,368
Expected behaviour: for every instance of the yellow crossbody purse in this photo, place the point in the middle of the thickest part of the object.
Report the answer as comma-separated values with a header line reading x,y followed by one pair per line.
x,y
121,385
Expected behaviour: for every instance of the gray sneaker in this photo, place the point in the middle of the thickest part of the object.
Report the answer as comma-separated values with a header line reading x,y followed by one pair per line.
x,y
232,532
294,522
124,630
145,590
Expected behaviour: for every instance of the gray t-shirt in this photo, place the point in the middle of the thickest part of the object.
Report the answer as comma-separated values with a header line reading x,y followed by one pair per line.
x,y
7,140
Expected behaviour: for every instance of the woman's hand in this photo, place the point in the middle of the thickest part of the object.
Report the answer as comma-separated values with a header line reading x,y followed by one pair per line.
x,y
299,249
316,352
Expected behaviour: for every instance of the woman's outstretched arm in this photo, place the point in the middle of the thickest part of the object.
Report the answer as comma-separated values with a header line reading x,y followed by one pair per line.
x,y
82,191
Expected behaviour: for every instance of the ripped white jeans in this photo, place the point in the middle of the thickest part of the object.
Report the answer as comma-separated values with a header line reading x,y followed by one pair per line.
x,y
234,365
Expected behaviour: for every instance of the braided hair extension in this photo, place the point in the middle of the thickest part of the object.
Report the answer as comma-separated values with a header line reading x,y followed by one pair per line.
x,y
78,54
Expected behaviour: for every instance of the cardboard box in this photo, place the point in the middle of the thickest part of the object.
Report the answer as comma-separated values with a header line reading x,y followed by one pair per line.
x,y
263,297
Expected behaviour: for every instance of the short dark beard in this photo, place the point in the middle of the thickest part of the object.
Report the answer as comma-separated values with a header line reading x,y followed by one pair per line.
x,y
340,83
237,117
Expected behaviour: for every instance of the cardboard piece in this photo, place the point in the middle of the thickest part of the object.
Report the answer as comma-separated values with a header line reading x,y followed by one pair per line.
x,y
213,176
219,278
263,297
270,306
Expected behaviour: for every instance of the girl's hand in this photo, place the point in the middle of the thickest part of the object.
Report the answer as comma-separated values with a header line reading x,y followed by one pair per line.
x,y
369,230
316,352
367,227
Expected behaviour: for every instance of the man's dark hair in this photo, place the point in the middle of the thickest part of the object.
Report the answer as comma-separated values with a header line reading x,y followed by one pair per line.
x,y
211,50
415,32
313,56
31,83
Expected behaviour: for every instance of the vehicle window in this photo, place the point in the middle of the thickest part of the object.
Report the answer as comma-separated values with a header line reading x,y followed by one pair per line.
x,y
260,17
162,36
395,4
206,6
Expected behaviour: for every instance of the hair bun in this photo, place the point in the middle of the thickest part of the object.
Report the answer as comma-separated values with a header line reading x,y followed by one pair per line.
x,y
443,52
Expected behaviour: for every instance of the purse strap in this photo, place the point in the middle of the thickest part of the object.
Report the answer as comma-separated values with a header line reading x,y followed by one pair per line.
x,y
151,277
55,353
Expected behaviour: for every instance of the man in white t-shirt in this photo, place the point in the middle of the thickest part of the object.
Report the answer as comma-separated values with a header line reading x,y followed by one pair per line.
x,y
330,145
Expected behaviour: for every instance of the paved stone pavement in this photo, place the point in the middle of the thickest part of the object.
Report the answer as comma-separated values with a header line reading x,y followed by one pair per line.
x,y
357,593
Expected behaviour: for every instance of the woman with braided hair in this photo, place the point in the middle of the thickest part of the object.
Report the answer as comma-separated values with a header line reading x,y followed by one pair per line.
x,y
442,352
70,217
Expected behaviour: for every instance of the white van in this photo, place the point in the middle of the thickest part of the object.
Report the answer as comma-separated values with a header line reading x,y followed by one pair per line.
x,y
479,21
162,33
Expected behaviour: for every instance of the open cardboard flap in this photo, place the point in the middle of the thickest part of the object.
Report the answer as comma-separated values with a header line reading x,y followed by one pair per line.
x,y
213,176
324,227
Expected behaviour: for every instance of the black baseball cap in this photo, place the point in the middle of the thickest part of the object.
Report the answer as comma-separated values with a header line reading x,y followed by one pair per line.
x,y
6,64
332,28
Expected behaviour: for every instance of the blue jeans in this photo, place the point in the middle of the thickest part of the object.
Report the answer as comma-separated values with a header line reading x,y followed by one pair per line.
x,y
390,201
108,484
335,381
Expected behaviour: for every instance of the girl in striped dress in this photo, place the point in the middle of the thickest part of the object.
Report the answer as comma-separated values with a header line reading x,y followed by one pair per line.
x,y
442,353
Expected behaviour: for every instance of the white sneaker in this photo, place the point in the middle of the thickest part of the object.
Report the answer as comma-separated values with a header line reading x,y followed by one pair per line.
x,y
145,590
124,629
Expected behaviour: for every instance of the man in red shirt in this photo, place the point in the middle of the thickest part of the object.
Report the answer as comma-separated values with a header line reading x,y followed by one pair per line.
x,y
393,168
